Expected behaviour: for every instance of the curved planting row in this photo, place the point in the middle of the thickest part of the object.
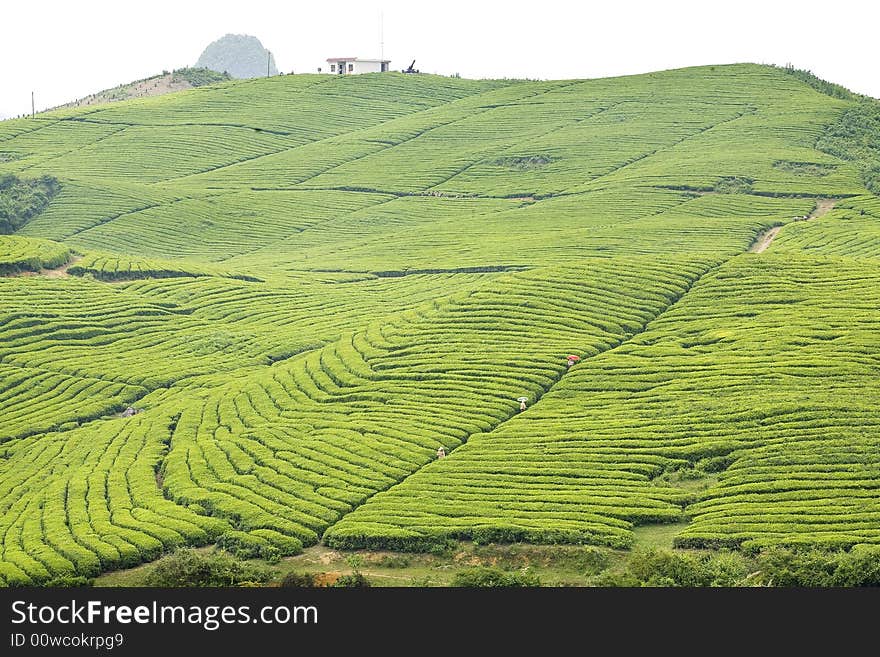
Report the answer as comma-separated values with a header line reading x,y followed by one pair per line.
x,y
215,228
272,409
767,368
35,400
154,139
302,311
268,462
87,329
612,221
20,254
112,267
75,350
852,232
294,451
578,154
818,488
87,500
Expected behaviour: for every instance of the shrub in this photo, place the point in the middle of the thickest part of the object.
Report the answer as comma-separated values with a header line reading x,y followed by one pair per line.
x,y
656,567
666,568
820,85
486,535
355,580
859,567
784,566
187,567
393,561
855,136
491,577
524,162
734,185
199,77
299,580
286,545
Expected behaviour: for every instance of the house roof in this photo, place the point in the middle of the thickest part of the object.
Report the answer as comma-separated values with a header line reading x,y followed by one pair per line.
x,y
357,59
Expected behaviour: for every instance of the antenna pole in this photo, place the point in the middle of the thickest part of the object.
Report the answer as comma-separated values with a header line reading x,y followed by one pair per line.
x,y
268,61
381,35
33,112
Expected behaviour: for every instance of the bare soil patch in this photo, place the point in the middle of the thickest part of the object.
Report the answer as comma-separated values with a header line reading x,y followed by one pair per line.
x,y
823,207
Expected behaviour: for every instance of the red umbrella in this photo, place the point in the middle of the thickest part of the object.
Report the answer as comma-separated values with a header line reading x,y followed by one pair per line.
x,y
573,357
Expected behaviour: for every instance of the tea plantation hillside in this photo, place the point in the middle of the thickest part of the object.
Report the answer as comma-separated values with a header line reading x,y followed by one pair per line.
x,y
250,314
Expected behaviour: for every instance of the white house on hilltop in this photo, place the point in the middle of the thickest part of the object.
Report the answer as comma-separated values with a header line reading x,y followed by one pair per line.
x,y
353,65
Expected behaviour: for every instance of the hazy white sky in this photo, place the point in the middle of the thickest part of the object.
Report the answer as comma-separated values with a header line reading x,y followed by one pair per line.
x,y
63,49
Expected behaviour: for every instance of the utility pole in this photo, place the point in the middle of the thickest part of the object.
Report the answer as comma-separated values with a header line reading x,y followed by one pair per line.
x,y
381,35
33,112
268,61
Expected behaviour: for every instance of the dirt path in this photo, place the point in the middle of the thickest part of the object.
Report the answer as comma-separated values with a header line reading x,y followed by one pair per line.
x,y
764,240
823,207
60,272
158,85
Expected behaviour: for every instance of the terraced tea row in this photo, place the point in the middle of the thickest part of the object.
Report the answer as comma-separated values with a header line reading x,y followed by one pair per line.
x,y
180,134
87,500
335,425
566,230
288,449
36,400
848,231
308,284
112,267
19,254
768,365
219,227
76,350
605,143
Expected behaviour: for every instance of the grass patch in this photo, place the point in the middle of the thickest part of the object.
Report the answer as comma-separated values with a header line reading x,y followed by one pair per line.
x,y
657,535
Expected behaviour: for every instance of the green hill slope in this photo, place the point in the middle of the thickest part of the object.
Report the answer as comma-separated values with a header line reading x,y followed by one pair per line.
x,y
307,284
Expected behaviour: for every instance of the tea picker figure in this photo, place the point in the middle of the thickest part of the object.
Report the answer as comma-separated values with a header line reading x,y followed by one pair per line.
x,y
441,452
522,402
572,359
